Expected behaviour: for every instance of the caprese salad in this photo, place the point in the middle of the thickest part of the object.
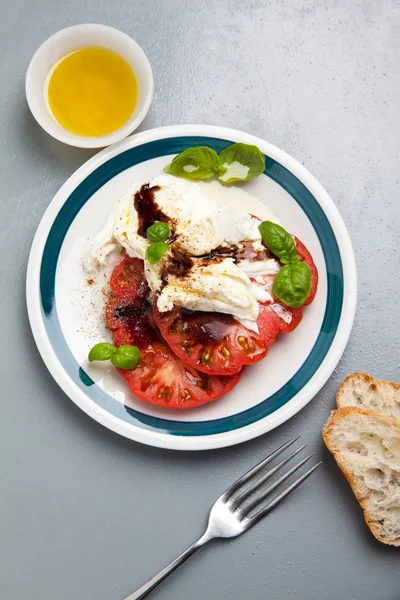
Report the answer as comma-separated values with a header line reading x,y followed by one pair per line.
x,y
201,287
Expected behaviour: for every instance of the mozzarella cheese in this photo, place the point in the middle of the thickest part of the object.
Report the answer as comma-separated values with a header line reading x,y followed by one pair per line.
x,y
203,220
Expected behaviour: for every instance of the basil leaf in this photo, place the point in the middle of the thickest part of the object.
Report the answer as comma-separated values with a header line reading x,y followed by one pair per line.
x,y
278,241
126,357
199,162
292,284
158,232
155,252
102,351
240,162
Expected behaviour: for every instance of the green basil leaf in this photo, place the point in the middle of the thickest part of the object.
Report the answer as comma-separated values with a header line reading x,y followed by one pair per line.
x,y
240,162
155,252
158,232
102,351
126,357
292,284
199,162
278,241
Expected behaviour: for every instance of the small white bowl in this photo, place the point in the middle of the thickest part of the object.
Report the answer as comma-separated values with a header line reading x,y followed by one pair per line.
x,y
63,43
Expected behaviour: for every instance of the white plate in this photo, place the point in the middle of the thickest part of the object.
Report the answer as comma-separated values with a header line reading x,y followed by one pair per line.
x,y
65,312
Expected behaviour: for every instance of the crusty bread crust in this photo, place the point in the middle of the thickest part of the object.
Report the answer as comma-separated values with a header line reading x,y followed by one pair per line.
x,y
365,378
328,436
358,389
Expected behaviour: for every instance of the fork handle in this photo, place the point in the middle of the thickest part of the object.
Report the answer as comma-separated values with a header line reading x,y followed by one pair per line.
x,y
154,581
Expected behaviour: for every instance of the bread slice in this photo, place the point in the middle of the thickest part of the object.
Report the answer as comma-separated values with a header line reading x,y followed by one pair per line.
x,y
360,389
366,446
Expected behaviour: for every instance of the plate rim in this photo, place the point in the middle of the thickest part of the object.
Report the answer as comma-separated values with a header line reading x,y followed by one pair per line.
x,y
195,442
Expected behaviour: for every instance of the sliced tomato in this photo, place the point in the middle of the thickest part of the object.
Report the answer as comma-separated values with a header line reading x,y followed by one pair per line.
x,y
128,291
307,258
217,344
126,278
161,377
119,309
211,342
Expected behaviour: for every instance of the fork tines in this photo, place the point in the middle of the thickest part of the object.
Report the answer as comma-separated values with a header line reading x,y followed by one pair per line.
x,y
237,502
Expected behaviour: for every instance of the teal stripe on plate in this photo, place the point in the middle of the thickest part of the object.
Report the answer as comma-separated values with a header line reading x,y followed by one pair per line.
x,y
51,252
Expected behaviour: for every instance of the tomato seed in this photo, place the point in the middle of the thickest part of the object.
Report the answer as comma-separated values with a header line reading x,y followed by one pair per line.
x,y
165,392
206,357
225,353
246,345
243,343
185,395
187,346
146,381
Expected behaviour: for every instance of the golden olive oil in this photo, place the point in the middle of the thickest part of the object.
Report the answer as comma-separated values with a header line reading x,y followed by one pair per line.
x,y
92,92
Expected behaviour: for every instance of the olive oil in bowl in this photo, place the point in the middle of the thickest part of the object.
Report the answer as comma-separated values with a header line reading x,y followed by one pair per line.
x,y
92,92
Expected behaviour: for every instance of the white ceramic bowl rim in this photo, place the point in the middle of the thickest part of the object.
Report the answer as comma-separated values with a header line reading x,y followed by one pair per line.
x,y
62,43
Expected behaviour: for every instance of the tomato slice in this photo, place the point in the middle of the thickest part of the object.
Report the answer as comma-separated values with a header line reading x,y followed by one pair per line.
x,y
127,277
128,288
306,257
217,344
161,377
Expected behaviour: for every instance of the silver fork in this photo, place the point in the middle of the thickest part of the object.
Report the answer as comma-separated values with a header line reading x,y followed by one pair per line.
x,y
230,515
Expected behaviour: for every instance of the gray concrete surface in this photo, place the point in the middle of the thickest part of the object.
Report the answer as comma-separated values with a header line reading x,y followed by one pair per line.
x,y
87,515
